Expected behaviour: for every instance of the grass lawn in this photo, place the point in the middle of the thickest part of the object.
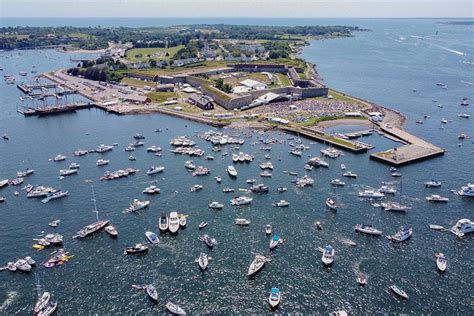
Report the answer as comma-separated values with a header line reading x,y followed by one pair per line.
x,y
285,81
81,35
160,97
132,82
147,53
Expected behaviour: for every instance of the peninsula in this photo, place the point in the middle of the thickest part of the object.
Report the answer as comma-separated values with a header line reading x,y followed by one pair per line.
x,y
222,75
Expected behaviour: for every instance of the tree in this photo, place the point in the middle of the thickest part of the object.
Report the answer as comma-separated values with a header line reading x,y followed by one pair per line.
x,y
219,83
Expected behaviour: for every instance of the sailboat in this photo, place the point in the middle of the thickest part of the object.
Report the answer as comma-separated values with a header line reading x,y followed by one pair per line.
x,y
94,227
395,206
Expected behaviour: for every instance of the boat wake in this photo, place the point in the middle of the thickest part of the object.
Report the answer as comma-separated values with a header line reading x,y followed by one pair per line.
x,y
10,298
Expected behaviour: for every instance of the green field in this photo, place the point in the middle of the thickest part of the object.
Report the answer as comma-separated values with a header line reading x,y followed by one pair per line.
x,y
160,97
145,54
285,81
132,82
81,35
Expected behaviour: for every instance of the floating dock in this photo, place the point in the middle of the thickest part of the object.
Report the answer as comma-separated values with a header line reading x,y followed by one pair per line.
x,y
416,149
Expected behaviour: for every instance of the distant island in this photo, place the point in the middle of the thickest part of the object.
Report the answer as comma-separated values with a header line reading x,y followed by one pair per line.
x,y
457,22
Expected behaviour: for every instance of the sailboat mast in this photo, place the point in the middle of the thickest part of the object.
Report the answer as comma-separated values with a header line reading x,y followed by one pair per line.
x,y
94,199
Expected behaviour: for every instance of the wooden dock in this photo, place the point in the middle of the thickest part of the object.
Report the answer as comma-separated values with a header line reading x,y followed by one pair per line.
x,y
416,149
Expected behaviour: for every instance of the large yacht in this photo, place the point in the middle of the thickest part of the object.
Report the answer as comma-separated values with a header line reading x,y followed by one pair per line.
x,y
463,226
467,190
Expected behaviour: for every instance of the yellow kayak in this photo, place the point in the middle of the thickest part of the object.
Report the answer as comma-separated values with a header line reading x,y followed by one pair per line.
x,y
38,247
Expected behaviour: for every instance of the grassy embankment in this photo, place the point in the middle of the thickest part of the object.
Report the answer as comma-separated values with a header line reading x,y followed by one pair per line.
x,y
145,54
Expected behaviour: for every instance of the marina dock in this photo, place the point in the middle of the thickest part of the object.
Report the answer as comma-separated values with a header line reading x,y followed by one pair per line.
x,y
415,149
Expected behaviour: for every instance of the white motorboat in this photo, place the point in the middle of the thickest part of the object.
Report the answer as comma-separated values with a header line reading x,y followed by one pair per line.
x,y
210,242
231,171
152,237
67,172
151,190
111,230
203,261
275,241
349,174
173,222
441,262
218,179
152,292
282,203
330,203
394,206
257,264
227,190
3,183
281,189
436,227
268,229
49,309
175,309
182,220
202,225
164,223
385,189
216,205
74,166
463,226
153,149
23,265
265,174
241,200
337,183
275,297
367,229
241,222
196,187
189,165
25,173
399,292
136,250
54,196
328,255
435,198
467,190
137,205
250,181
154,170
104,148
371,194
102,162
59,158
432,184
403,234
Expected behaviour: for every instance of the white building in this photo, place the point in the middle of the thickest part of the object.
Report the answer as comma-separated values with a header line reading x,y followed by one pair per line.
x,y
253,84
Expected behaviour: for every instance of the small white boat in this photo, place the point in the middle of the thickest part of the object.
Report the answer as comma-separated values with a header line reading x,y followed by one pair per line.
x,y
328,255
241,200
152,292
154,170
337,183
275,297
74,166
282,203
203,224
42,302
399,292
241,222
203,261
436,227
136,250
111,230
432,184
173,222
182,220
367,229
218,179
330,203
403,234
136,206
435,198
164,223
268,229
216,205
231,171
349,174
175,309
257,264
441,262
59,158
371,194
67,172
102,162
275,241
152,237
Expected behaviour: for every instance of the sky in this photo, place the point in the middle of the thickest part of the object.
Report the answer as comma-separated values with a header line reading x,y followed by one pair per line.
x,y
237,8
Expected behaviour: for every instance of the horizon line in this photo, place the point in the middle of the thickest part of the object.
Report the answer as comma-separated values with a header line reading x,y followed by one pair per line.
x,y
234,17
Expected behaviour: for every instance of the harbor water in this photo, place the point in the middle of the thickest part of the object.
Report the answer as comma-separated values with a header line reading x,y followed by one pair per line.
x,y
383,66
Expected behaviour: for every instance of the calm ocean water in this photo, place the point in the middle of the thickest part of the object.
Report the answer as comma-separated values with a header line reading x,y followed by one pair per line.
x,y
383,66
